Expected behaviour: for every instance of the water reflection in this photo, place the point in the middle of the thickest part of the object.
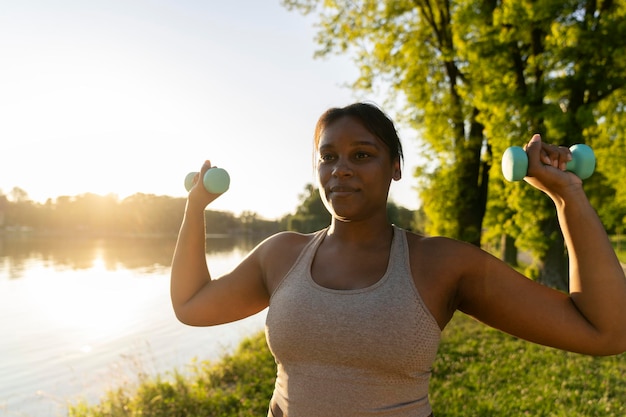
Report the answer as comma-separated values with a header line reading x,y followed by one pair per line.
x,y
150,254
77,308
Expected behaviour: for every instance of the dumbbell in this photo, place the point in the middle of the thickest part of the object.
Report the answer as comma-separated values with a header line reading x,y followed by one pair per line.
x,y
515,162
216,180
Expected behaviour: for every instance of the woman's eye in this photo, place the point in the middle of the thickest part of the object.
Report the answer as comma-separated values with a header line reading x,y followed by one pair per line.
x,y
361,155
325,157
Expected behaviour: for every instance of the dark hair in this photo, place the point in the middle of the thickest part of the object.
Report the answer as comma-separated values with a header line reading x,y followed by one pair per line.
x,y
371,117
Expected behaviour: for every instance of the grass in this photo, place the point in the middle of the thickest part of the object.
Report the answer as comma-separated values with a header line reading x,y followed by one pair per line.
x,y
479,372
482,372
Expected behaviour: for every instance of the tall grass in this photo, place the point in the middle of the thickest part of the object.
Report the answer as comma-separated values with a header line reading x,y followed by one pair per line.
x,y
478,372
238,385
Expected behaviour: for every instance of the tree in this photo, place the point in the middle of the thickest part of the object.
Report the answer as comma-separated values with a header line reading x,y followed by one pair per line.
x,y
311,214
18,195
609,141
476,77
410,46
557,63
401,216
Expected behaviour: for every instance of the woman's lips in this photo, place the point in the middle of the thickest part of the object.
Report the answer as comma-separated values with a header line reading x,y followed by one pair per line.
x,y
341,190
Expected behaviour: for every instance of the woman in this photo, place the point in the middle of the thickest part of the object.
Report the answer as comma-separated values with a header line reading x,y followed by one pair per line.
x,y
356,310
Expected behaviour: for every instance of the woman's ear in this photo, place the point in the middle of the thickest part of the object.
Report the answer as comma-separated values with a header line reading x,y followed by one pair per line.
x,y
397,170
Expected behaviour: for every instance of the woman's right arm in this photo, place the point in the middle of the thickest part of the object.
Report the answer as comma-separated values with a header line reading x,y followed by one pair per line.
x,y
197,299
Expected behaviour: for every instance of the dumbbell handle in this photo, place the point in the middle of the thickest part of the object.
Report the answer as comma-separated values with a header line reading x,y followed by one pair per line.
x,y
515,162
216,180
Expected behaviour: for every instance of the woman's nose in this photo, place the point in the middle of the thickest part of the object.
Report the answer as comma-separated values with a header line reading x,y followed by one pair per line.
x,y
342,168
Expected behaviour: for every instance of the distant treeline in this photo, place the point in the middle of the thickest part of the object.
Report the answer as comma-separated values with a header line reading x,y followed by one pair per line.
x,y
156,215
137,215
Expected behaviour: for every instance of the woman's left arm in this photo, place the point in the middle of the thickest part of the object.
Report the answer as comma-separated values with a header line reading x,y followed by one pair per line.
x,y
596,279
592,317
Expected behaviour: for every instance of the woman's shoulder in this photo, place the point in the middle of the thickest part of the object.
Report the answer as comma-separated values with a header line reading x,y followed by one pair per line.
x,y
435,243
420,242
443,251
278,253
288,239
284,245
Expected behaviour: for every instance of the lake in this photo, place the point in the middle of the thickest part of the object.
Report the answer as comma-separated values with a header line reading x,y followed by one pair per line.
x,y
80,316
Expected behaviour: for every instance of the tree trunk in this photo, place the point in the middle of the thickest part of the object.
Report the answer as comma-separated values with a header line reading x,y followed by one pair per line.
x,y
508,250
554,268
473,177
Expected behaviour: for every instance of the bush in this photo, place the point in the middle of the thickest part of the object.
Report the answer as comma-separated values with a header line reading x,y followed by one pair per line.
x,y
238,385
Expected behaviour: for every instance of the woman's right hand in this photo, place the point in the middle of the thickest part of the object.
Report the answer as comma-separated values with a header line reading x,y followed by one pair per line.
x,y
198,196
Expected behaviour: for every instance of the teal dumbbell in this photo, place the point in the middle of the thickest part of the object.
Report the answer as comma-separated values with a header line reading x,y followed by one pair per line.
x,y
216,180
515,162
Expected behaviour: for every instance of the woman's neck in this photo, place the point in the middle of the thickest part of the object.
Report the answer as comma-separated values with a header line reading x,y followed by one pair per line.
x,y
362,232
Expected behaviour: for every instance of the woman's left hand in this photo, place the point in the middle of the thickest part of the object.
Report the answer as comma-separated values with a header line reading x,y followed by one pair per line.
x,y
547,167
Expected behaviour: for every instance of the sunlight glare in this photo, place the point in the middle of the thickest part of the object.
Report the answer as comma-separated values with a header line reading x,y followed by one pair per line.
x,y
93,305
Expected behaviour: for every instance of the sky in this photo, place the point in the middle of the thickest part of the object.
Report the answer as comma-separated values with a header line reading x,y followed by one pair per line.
x,y
128,96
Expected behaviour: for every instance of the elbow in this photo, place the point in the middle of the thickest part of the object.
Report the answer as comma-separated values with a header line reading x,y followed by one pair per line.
x,y
185,317
616,342
618,347
191,321
182,318
193,318
611,345
180,315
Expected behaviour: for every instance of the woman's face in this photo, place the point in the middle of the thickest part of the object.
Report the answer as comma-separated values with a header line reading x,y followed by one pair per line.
x,y
354,170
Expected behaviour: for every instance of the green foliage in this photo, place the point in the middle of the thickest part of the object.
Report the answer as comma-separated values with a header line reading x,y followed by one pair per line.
x,y
608,139
550,55
240,385
476,77
311,214
402,217
439,212
619,244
